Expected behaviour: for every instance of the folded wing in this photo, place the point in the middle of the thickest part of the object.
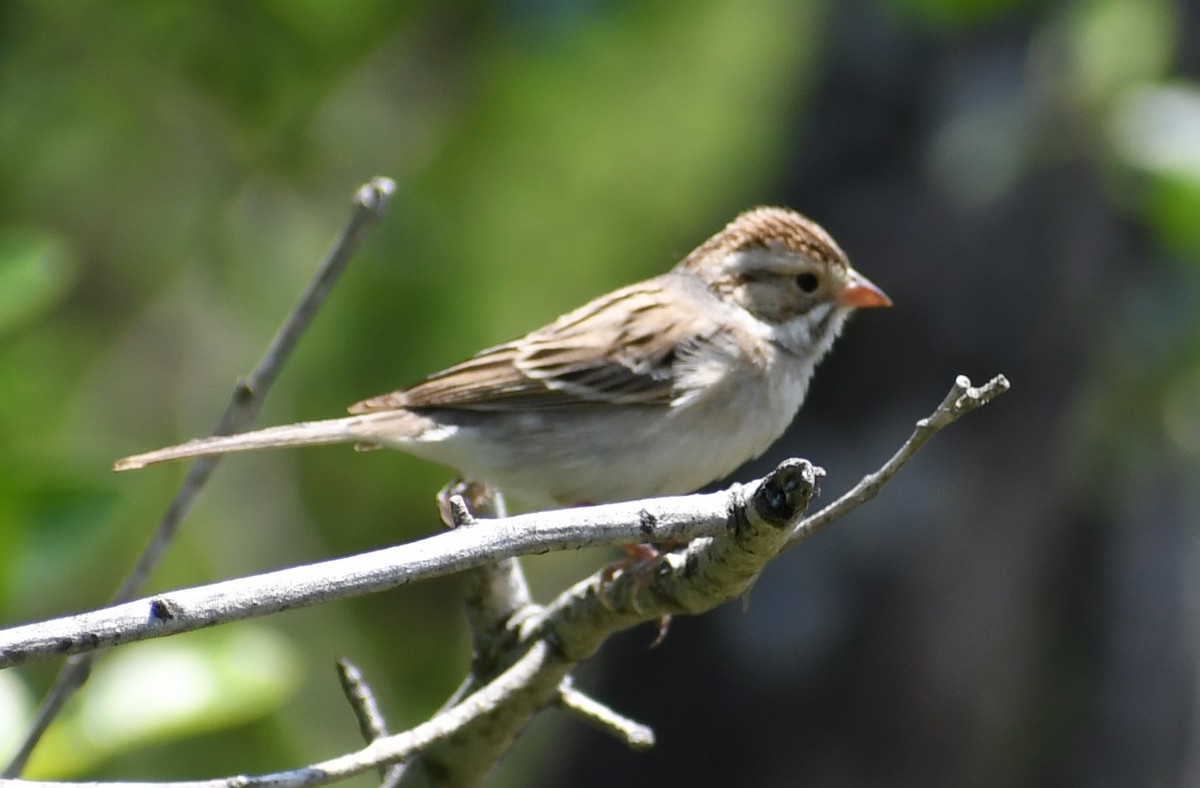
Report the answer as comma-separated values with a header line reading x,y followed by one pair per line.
x,y
617,349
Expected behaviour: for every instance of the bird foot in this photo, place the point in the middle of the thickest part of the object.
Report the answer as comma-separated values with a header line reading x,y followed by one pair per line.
x,y
642,561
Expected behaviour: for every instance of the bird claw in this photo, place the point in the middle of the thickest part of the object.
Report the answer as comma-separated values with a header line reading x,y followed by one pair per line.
x,y
664,626
642,561
460,500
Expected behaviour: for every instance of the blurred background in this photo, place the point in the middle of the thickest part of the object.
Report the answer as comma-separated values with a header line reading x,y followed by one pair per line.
x,y
1019,607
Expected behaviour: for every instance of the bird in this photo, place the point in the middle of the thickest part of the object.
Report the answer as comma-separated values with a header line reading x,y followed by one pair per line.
x,y
657,388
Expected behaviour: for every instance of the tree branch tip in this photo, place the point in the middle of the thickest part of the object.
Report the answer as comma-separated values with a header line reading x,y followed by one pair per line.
x,y
347,670
460,513
358,694
641,738
243,387
635,735
999,383
375,194
971,397
798,465
962,399
786,491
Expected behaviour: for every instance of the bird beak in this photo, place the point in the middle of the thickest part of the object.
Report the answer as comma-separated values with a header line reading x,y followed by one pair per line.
x,y
861,293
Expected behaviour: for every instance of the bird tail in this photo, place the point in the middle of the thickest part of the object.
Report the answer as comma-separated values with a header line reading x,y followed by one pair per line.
x,y
305,433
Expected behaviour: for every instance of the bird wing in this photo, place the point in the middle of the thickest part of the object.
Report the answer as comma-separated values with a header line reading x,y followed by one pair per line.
x,y
618,349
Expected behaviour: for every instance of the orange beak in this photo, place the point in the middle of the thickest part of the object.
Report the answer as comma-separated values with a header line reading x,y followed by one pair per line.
x,y
861,293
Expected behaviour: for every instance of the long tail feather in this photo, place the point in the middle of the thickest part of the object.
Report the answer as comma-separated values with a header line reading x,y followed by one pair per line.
x,y
306,433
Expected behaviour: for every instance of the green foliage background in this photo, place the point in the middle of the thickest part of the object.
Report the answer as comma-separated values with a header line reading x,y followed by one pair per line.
x,y
1023,178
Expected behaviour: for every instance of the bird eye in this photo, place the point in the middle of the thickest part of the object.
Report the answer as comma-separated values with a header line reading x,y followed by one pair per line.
x,y
808,282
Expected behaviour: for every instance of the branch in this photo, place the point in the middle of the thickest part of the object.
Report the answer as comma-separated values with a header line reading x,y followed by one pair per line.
x,y
657,520
492,592
488,720
370,202
691,580
604,719
371,723
961,400
461,743
709,571
381,752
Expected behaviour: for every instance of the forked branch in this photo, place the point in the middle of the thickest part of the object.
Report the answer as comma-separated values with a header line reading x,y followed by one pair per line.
x,y
734,535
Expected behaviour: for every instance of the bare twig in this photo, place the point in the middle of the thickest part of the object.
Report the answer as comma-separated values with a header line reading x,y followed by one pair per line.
x,y
493,592
370,202
381,752
690,581
710,571
462,742
961,400
371,722
497,597
656,520
602,718
362,701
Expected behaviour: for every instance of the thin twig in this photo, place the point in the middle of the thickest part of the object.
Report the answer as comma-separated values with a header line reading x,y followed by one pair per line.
x,y
603,718
371,722
362,702
498,711
495,594
654,520
961,400
388,750
759,522
370,202
492,592
573,626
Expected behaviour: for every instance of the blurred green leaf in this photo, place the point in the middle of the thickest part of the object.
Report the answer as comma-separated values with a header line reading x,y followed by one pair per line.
x,y
1172,208
35,272
57,529
956,13
608,128
1120,44
1156,131
170,689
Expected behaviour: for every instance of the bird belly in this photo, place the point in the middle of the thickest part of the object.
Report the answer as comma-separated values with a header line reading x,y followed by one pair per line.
x,y
578,455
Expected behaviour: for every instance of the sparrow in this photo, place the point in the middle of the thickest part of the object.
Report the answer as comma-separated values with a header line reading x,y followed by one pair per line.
x,y
657,388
